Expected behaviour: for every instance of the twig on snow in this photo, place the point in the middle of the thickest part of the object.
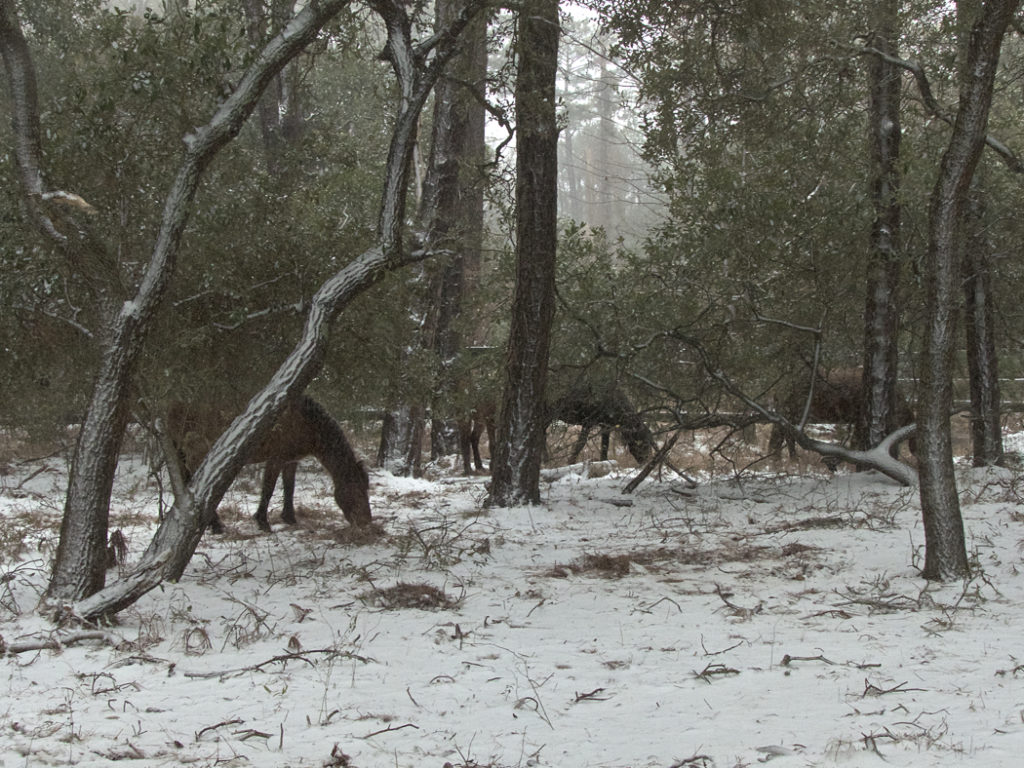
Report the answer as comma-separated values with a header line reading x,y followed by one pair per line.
x,y
696,761
870,689
718,653
593,695
390,728
715,670
282,658
787,659
236,721
737,610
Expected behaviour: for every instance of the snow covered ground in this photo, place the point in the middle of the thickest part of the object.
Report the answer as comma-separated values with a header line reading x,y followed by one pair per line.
x,y
777,620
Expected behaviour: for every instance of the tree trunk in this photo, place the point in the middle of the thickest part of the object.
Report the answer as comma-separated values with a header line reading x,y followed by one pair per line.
x,y
979,322
945,552
401,436
454,208
279,113
516,457
878,409
451,211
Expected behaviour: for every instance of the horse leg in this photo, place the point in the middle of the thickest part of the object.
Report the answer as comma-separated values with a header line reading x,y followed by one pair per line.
x,y
466,445
474,441
581,442
606,439
288,488
270,472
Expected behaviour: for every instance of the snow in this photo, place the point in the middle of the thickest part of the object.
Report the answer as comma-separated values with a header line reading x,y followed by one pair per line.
x,y
779,619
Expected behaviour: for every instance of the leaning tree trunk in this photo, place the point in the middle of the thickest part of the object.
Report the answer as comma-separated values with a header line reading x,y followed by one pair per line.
x,y
516,457
979,322
878,409
945,552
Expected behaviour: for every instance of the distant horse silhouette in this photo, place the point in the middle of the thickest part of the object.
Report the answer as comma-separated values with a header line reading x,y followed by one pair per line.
x,y
606,408
480,419
837,399
583,405
304,428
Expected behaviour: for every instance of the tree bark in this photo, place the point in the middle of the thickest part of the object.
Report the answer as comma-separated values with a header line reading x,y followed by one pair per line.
x,y
878,411
454,211
516,457
945,552
451,212
979,322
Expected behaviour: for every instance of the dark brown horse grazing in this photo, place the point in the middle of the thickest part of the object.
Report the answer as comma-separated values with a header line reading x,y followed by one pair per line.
x,y
304,428
607,408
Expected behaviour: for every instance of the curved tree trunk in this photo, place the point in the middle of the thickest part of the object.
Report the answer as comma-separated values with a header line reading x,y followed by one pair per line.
x,y
945,552
516,457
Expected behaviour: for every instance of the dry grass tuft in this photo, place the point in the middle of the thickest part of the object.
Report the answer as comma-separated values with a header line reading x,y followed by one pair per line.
x,y
360,535
608,566
425,597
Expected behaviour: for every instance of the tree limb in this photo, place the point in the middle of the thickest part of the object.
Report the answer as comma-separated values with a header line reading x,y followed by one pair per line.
x,y
1009,157
877,458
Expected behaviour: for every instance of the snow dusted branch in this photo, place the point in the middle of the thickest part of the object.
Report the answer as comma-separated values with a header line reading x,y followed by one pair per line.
x,y
877,458
54,641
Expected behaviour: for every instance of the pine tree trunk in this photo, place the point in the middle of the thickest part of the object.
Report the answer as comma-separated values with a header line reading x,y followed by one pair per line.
x,y
945,552
979,322
519,441
454,188
878,409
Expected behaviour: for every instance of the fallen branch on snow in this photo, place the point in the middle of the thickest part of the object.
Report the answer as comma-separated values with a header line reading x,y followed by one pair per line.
x,y
57,640
284,657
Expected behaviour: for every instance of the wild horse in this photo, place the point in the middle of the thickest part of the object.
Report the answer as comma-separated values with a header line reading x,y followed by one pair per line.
x,y
480,419
304,428
606,408
583,405
837,399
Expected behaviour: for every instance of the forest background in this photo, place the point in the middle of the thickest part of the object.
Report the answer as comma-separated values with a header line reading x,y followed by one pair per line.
x,y
734,212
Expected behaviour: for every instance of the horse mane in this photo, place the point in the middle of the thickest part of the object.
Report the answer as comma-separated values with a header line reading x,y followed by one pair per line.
x,y
334,446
